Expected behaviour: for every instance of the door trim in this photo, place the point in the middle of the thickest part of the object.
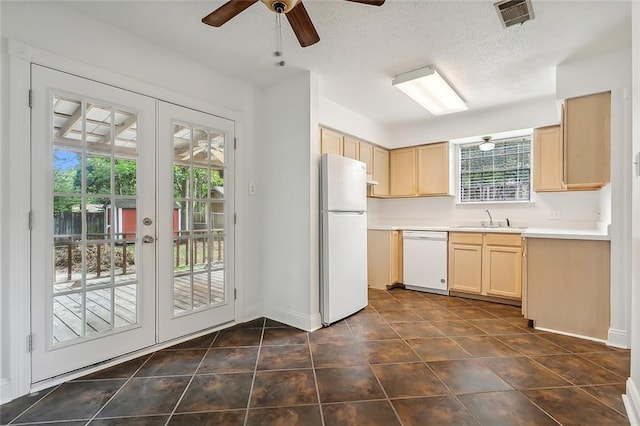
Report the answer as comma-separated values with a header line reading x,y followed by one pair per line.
x,y
19,257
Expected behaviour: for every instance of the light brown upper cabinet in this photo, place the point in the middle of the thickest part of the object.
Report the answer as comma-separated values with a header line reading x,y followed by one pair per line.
x,y
547,159
433,169
330,141
351,148
587,141
576,155
375,158
403,172
380,172
366,155
420,170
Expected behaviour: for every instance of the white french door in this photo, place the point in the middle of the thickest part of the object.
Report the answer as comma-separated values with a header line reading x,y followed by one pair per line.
x,y
93,168
131,242
195,220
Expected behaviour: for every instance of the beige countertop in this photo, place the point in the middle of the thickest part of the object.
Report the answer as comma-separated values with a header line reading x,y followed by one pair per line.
x,y
599,233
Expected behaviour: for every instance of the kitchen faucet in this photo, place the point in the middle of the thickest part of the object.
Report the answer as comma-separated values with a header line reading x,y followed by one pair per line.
x,y
490,218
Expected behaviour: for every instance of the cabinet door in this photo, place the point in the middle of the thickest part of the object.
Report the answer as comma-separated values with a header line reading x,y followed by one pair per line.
x,y
548,160
330,141
396,262
366,155
433,169
587,141
380,171
465,268
403,171
351,148
502,271
379,259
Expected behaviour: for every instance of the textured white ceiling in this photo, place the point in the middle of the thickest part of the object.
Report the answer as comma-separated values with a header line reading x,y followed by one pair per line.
x,y
362,48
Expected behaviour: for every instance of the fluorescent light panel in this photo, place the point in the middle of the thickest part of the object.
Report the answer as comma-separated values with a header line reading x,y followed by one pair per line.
x,y
430,90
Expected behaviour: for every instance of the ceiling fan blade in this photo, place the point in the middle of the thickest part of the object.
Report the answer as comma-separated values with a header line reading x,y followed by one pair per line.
x,y
302,26
369,2
227,11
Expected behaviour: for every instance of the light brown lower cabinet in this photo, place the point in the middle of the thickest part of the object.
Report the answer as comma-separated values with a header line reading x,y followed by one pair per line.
x,y
384,258
568,285
502,265
487,264
465,262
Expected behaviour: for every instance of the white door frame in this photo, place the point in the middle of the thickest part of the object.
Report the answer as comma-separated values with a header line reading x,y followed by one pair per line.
x,y
15,269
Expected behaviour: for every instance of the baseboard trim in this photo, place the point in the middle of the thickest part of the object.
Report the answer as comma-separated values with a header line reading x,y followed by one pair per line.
x,y
632,403
579,336
618,338
294,319
6,391
250,313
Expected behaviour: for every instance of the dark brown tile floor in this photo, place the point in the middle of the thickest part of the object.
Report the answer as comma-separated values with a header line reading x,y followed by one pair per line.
x,y
409,358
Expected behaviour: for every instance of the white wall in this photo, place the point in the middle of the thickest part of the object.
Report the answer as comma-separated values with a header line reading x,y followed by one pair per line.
x,y
4,200
577,210
338,117
289,191
535,113
632,397
106,53
593,75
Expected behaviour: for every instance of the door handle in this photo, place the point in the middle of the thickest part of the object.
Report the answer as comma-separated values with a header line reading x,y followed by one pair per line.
x,y
147,239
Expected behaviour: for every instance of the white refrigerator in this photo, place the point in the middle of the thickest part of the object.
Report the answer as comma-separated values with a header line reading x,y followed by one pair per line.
x,y
343,251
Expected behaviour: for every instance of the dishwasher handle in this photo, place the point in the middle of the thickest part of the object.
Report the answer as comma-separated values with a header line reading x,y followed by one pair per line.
x,y
424,235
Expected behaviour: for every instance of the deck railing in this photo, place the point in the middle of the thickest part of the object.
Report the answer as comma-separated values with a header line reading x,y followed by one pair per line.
x,y
196,249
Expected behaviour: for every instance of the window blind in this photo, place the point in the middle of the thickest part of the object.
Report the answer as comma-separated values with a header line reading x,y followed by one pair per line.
x,y
502,174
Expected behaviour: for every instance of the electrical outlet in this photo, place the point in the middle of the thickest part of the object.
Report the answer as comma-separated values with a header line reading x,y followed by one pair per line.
x,y
252,188
554,214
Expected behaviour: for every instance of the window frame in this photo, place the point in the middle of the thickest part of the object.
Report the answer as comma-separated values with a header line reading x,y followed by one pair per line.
x,y
458,168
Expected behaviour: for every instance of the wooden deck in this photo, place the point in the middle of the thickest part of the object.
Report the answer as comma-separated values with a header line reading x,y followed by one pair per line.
x,y
67,307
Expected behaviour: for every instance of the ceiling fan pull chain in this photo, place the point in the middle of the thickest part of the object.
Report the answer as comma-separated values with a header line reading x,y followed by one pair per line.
x,y
278,53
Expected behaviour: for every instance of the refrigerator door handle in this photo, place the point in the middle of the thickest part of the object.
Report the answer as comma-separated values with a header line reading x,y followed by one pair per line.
x,y
347,213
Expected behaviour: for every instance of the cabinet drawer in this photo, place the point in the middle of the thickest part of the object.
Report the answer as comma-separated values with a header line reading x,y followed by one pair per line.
x,y
473,238
512,240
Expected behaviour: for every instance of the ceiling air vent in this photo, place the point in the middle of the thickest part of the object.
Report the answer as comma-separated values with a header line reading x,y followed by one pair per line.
x,y
512,12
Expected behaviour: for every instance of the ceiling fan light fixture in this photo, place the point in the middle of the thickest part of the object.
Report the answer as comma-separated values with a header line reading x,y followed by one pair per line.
x,y
486,145
280,6
427,87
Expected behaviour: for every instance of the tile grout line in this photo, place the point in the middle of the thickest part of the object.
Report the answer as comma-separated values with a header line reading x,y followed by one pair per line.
x,y
315,379
186,388
35,402
539,407
387,399
121,387
255,372
571,384
451,393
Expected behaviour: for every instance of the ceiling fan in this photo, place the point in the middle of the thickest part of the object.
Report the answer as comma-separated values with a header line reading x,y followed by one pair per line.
x,y
294,10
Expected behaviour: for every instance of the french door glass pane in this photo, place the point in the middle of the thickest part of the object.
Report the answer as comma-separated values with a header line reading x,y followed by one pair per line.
x,y
94,219
198,217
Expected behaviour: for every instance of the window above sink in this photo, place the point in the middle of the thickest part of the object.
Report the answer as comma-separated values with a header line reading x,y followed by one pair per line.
x,y
499,175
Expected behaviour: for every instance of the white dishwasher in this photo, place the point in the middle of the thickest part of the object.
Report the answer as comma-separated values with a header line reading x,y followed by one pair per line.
x,y
425,261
